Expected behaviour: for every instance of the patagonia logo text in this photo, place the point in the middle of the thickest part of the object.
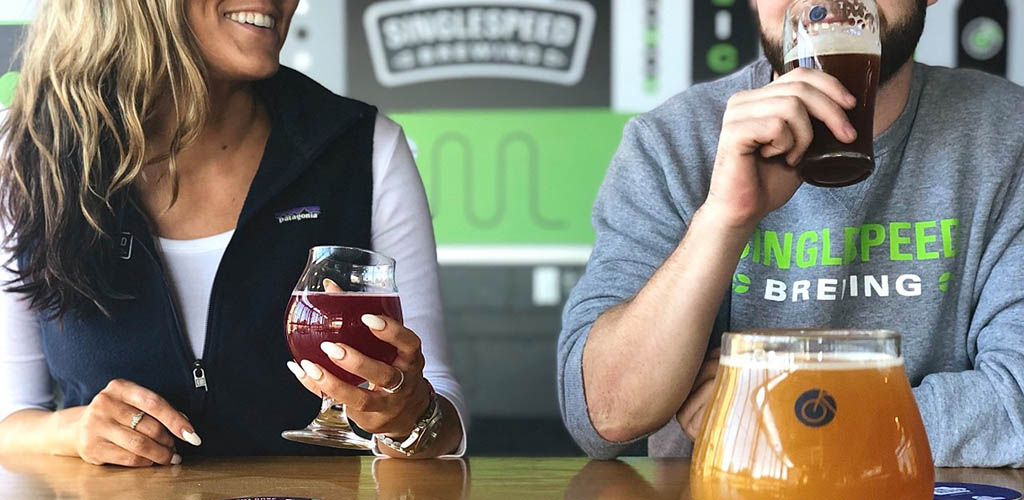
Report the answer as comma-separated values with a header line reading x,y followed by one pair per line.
x,y
297,214
415,41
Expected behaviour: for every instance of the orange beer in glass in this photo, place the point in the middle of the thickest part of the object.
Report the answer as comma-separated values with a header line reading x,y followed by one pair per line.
x,y
799,414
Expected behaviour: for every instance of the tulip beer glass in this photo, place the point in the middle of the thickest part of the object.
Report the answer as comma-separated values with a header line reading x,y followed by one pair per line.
x,y
812,414
338,286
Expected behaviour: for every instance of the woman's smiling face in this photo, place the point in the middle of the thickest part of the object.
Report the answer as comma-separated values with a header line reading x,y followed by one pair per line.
x,y
241,40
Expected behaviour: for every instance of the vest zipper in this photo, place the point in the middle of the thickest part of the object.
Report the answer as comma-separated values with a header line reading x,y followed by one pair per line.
x,y
198,372
199,375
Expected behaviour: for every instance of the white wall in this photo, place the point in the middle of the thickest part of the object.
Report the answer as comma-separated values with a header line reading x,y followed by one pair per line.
x,y
16,10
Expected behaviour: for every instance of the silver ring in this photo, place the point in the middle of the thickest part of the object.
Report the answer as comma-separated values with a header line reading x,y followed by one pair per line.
x,y
393,389
136,419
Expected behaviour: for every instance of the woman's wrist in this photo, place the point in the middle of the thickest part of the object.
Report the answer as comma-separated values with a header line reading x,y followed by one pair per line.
x,y
448,440
63,427
37,431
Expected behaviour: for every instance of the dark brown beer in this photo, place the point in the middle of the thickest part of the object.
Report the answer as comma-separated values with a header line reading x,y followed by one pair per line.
x,y
829,162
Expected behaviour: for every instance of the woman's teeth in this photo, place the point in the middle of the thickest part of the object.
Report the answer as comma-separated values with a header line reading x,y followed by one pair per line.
x,y
253,18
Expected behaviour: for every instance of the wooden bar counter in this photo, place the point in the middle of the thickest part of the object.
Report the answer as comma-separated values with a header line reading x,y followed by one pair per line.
x,y
29,478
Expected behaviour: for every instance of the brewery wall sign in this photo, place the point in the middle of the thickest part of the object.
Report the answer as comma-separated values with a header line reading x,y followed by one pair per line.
x,y
481,54
414,41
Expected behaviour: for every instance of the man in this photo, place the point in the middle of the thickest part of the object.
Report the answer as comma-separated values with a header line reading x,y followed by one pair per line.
x,y
703,194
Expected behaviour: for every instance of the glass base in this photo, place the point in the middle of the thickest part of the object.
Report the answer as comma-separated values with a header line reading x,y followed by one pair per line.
x,y
837,169
330,428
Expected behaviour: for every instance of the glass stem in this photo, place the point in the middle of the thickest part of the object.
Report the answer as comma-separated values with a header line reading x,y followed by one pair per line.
x,y
332,421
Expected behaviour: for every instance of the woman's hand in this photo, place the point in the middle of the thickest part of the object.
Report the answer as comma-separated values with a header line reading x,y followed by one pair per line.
x,y
103,433
375,409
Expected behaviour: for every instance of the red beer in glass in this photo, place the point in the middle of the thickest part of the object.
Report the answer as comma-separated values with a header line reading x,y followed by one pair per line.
x,y
337,287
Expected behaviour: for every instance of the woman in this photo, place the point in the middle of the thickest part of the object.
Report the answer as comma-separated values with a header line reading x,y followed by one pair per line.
x,y
150,152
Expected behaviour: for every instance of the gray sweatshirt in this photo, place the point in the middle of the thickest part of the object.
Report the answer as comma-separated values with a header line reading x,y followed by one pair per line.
x,y
932,246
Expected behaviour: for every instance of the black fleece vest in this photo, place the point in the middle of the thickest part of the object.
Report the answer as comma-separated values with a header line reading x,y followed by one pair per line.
x,y
313,187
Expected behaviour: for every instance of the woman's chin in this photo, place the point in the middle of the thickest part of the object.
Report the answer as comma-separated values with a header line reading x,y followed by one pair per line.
x,y
249,72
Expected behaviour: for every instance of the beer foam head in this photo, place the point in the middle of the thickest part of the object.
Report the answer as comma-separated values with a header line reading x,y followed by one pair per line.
x,y
833,42
344,294
812,361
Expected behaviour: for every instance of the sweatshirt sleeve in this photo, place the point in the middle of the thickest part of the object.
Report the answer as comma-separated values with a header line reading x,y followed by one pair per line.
x,y
976,418
637,226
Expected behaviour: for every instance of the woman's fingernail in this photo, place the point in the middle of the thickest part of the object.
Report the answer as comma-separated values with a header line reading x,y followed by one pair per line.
x,y
176,459
191,438
296,370
312,370
374,322
333,350
851,132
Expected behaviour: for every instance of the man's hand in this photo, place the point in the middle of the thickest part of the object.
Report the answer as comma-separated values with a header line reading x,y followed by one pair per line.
x,y
765,134
691,415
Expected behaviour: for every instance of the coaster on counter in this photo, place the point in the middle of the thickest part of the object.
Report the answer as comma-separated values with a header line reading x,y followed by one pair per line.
x,y
969,491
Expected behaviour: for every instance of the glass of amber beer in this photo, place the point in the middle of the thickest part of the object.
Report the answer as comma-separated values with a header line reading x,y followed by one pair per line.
x,y
801,414
841,38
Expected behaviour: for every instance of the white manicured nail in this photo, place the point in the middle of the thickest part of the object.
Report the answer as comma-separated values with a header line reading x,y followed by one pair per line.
x,y
374,322
176,459
333,350
296,370
312,370
191,438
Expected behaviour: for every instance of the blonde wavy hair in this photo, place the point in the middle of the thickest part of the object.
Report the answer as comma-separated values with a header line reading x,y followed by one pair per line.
x,y
97,77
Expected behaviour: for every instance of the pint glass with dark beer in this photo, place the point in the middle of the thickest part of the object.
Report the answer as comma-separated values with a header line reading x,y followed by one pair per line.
x,y
812,414
841,38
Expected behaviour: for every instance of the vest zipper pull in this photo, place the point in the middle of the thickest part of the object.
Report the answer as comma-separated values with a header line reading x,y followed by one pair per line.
x,y
199,375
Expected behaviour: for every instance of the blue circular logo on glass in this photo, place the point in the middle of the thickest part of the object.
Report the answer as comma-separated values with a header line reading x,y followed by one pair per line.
x,y
815,408
818,14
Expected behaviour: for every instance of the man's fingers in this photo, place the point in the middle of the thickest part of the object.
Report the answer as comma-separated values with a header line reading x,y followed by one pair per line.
x,y
708,370
691,416
825,109
823,82
157,407
768,136
816,97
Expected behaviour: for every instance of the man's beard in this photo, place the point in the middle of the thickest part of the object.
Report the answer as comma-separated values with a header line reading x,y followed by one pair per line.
x,y
898,43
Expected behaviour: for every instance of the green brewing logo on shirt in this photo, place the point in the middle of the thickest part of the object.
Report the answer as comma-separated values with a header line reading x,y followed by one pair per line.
x,y
841,248
895,241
